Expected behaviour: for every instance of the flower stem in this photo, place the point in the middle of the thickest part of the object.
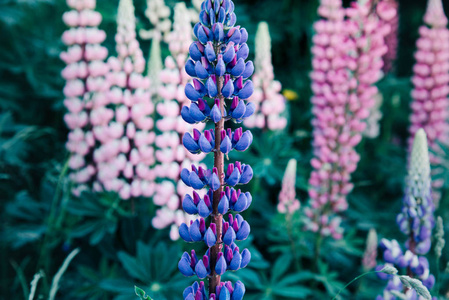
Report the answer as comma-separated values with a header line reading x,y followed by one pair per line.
x,y
355,279
217,218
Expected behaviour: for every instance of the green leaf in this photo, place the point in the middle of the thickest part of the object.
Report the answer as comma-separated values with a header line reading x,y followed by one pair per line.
x,y
281,266
141,293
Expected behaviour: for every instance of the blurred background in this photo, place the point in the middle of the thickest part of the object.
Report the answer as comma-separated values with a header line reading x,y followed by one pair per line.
x,y
41,224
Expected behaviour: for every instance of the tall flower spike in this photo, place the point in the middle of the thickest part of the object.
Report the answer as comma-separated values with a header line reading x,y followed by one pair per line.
x,y
431,84
288,203
217,93
158,14
85,89
372,129
169,150
267,98
370,255
126,153
388,13
348,49
416,221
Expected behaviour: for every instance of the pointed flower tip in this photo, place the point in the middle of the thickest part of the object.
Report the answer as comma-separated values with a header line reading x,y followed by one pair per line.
x,y
435,14
419,163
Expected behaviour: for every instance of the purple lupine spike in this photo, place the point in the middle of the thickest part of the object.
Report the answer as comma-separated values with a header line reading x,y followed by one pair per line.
x,y
221,73
416,221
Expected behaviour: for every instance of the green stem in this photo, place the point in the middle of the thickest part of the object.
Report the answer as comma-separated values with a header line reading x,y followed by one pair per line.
x,y
355,279
318,242
50,223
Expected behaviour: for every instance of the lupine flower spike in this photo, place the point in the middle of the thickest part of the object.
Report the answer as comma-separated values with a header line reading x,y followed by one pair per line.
x,y
267,97
347,63
218,93
416,221
431,83
126,153
370,255
388,12
85,89
288,203
170,152
372,129
158,14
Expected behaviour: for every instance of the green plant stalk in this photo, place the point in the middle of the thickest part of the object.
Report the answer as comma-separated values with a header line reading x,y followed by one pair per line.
x,y
61,271
22,279
44,254
355,279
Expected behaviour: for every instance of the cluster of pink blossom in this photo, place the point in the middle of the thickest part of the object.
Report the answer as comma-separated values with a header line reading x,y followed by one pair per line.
x,y
85,85
431,83
267,97
348,48
122,120
170,153
288,203
388,12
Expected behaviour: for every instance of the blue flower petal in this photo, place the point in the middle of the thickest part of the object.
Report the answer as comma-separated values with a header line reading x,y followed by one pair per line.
x,y
184,233
191,93
228,89
244,142
189,143
221,266
249,70
190,68
239,291
238,68
185,114
201,270
247,174
226,145
201,72
188,205
247,90
243,232
246,258
209,238
229,236
243,52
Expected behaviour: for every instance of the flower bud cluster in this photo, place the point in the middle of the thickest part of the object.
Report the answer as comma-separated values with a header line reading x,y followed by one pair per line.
x,y
124,124
85,87
288,203
267,97
370,254
431,83
158,14
348,49
387,10
169,150
218,93
416,220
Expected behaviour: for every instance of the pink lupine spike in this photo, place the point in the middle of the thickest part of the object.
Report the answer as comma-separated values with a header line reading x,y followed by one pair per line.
x,y
430,84
84,75
343,85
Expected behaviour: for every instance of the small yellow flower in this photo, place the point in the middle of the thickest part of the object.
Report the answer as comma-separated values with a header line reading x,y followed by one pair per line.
x,y
290,95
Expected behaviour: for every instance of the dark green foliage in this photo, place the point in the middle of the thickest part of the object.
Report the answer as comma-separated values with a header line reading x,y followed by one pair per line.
x,y
41,222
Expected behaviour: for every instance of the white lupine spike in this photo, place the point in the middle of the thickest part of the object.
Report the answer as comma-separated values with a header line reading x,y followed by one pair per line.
x,y
263,50
435,14
155,65
419,171
125,16
158,14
